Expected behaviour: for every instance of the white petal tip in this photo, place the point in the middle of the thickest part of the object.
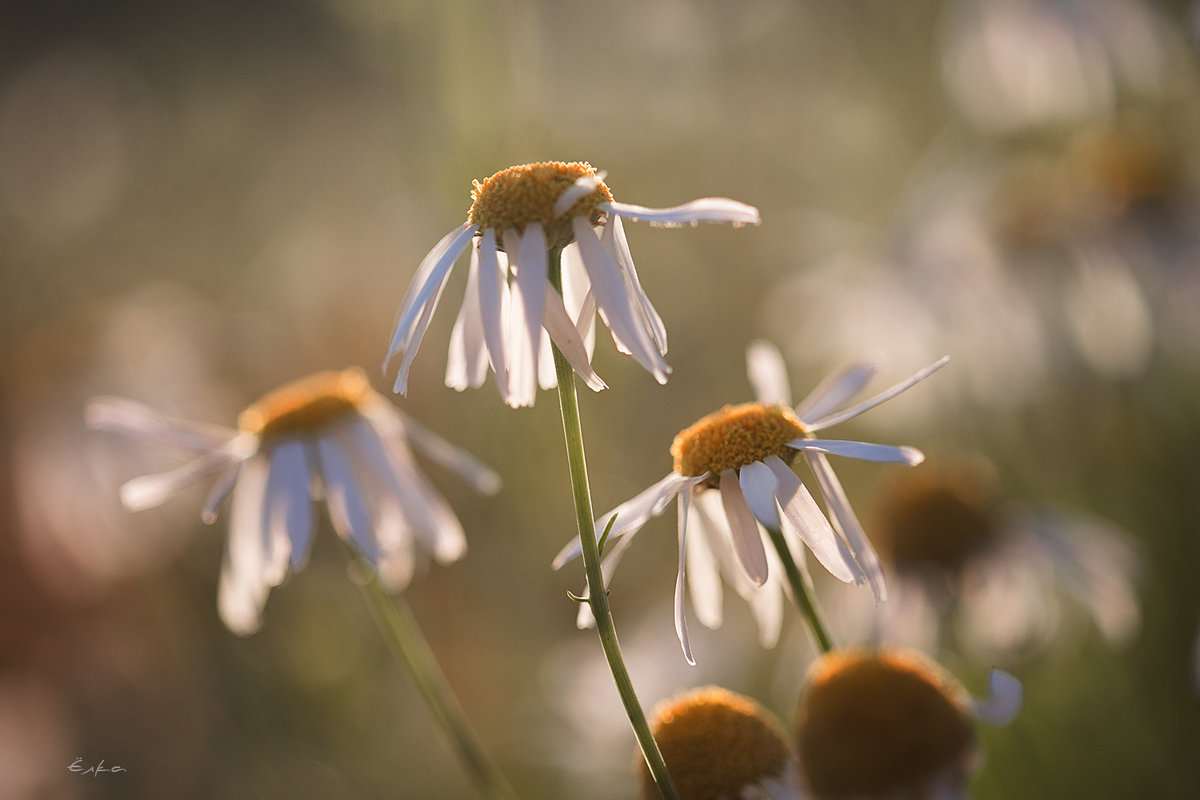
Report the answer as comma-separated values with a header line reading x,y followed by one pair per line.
x,y
912,456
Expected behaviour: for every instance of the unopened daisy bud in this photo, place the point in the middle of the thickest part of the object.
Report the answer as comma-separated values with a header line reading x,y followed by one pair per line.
x,y
521,220
721,746
891,724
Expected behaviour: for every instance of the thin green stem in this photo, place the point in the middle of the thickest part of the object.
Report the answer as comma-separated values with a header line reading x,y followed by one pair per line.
x,y
400,627
597,596
804,599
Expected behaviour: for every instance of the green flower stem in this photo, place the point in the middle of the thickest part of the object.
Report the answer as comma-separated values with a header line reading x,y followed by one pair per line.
x,y
400,627
804,600
597,596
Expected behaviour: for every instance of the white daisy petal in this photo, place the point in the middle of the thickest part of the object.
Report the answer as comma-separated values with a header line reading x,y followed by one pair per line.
x,y
217,494
566,337
847,524
1005,696
149,491
850,413
706,209
624,258
400,385
426,285
747,541
525,322
467,362
680,616
348,508
633,513
768,374
287,512
833,391
130,418
758,489
862,451
612,300
704,578
242,592
493,302
390,421
802,514
583,186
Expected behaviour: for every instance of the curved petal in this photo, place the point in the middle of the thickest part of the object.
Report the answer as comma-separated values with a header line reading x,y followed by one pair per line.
x,y
803,515
834,390
130,418
767,373
149,491
618,245
758,489
565,335
467,363
1005,696
287,512
581,188
390,421
680,617
525,321
704,577
882,453
493,306
747,541
705,209
847,524
884,396
241,591
347,502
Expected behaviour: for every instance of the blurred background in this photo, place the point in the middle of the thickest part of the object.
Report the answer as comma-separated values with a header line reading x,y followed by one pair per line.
x,y
201,200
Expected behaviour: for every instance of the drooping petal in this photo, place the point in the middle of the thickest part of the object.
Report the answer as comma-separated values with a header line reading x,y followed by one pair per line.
x,y
618,245
424,290
525,323
391,422
581,188
705,209
149,491
904,385
130,418
217,494
847,524
767,373
1005,695
287,512
348,507
241,590
704,577
833,391
614,303
565,335
882,453
680,616
758,488
802,514
467,362
633,513
747,541
493,307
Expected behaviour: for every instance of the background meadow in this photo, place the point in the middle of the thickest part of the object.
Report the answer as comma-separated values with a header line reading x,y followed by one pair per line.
x,y
202,200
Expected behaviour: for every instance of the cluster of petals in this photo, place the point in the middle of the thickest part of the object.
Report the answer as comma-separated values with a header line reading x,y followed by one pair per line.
x,y
511,312
721,532
361,463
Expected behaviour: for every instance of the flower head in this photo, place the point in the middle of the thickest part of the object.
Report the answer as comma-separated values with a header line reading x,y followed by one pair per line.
x,y
960,552
891,724
721,746
326,435
732,475
511,312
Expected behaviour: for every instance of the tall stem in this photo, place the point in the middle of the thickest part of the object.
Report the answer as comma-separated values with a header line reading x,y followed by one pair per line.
x,y
804,600
400,627
597,596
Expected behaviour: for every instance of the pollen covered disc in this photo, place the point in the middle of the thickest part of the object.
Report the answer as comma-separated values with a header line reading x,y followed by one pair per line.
x,y
734,437
715,743
878,724
307,404
525,194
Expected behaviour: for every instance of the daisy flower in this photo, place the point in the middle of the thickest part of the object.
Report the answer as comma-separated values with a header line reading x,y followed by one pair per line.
x,y
732,475
520,219
721,746
326,435
959,552
891,725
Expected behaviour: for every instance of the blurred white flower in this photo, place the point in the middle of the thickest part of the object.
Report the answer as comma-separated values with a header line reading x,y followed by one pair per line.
x,y
511,312
744,452
326,435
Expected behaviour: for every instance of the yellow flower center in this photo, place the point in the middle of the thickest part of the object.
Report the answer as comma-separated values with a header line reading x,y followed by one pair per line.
x,y
880,723
306,405
714,743
734,437
930,520
518,196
